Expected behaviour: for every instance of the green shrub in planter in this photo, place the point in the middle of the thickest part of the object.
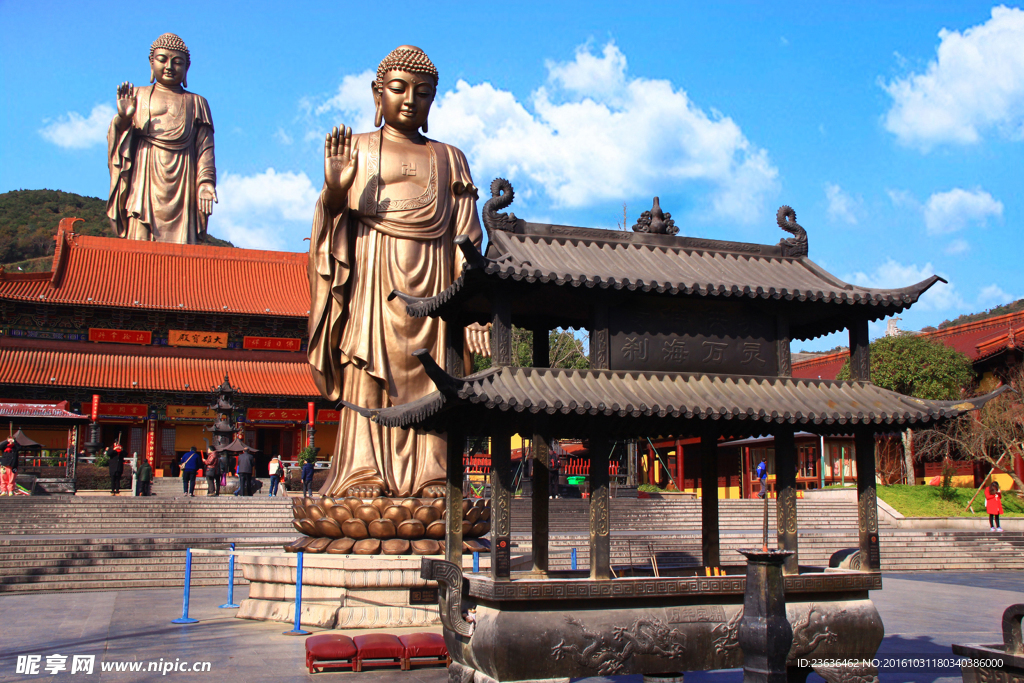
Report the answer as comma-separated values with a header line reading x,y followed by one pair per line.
x,y
90,477
649,488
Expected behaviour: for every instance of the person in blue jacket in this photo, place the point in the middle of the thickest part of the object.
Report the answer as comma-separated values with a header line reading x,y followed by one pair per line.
x,y
307,478
762,474
190,463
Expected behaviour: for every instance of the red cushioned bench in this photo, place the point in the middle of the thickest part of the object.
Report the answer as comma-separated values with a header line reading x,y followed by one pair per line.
x,y
424,649
330,651
379,649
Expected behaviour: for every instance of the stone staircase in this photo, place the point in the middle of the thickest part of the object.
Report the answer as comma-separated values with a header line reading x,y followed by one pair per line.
x,y
103,542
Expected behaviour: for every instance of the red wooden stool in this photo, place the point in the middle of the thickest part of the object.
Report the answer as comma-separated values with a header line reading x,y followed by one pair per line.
x,y
379,649
330,651
425,649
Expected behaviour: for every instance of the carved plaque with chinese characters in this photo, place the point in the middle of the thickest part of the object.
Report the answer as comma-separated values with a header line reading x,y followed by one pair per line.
x,y
717,338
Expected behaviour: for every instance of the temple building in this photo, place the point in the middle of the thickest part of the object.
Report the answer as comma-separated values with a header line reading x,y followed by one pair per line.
x,y
152,328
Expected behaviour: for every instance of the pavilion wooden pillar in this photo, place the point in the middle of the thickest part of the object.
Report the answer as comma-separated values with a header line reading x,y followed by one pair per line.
x,y
785,502
680,473
453,498
540,499
867,501
600,524
501,505
710,541
455,338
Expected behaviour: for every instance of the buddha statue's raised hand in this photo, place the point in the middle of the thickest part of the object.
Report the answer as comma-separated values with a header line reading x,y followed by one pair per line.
x,y
125,104
339,166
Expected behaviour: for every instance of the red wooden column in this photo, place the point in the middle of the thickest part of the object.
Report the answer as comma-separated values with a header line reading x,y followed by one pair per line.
x,y
680,481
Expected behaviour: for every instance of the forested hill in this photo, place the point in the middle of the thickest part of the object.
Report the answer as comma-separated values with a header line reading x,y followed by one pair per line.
x,y
29,218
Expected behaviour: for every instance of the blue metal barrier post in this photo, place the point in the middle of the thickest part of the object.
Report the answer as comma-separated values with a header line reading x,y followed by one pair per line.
x,y
188,580
574,559
297,631
231,581
476,562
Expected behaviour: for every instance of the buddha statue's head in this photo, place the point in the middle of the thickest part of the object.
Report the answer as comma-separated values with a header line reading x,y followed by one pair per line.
x,y
169,61
404,89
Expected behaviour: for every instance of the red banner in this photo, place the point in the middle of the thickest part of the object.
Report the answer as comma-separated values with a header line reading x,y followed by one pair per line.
x,y
151,442
95,406
98,334
271,344
328,415
275,415
122,410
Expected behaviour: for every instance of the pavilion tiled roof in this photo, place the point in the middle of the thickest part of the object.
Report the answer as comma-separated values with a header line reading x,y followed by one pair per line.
x,y
104,271
611,259
576,399
20,366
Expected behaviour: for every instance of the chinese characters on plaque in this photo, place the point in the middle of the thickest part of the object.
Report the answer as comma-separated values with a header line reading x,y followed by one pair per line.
x,y
713,340
275,415
191,413
98,334
272,344
205,340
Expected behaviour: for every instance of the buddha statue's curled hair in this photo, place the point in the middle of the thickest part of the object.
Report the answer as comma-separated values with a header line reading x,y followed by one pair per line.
x,y
169,41
406,58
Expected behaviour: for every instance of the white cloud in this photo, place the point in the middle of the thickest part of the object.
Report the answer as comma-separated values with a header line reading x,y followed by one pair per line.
x,y
947,212
354,101
893,275
903,198
254,210
74,131
841,206
994,295
958,246
593,133
975,83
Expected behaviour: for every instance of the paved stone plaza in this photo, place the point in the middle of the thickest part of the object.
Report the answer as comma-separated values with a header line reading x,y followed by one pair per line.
x,y
923,613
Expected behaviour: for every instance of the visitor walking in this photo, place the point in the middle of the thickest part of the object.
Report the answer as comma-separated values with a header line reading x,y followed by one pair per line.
x,y
115,466
211,467
225,467
245,465
8,466
275,470
762,475
307,478
189,464
994,505
145,476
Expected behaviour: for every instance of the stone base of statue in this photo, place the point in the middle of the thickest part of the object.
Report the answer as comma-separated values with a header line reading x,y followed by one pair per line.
x,y
344,591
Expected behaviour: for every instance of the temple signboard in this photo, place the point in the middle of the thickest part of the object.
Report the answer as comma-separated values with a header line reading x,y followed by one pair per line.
x,y
272,344
204,340
191,413
275,415
720,339
97,334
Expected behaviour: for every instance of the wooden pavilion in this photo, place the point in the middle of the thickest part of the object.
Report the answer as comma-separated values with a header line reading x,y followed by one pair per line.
x,y
689,337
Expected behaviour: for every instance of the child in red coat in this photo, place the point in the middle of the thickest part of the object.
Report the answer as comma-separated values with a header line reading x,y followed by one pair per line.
x,y
994,505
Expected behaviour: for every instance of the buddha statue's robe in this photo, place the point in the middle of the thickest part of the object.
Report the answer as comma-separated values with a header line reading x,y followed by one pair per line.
x,y
155,174
360,344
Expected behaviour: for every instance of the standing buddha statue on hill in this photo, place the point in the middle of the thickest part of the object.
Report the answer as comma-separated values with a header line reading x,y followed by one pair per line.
x,y
392,203
160,153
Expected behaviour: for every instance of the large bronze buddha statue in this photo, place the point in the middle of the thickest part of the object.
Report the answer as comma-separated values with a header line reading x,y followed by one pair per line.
x,y
391,205
160,153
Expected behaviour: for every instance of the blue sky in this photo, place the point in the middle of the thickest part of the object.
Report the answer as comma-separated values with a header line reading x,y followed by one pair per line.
x,y
894,129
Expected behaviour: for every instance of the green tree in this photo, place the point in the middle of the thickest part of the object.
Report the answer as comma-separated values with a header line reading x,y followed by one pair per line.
x,y
917,367
566,350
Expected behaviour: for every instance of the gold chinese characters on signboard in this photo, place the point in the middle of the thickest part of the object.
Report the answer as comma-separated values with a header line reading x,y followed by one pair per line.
x,y
206,340
191,412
